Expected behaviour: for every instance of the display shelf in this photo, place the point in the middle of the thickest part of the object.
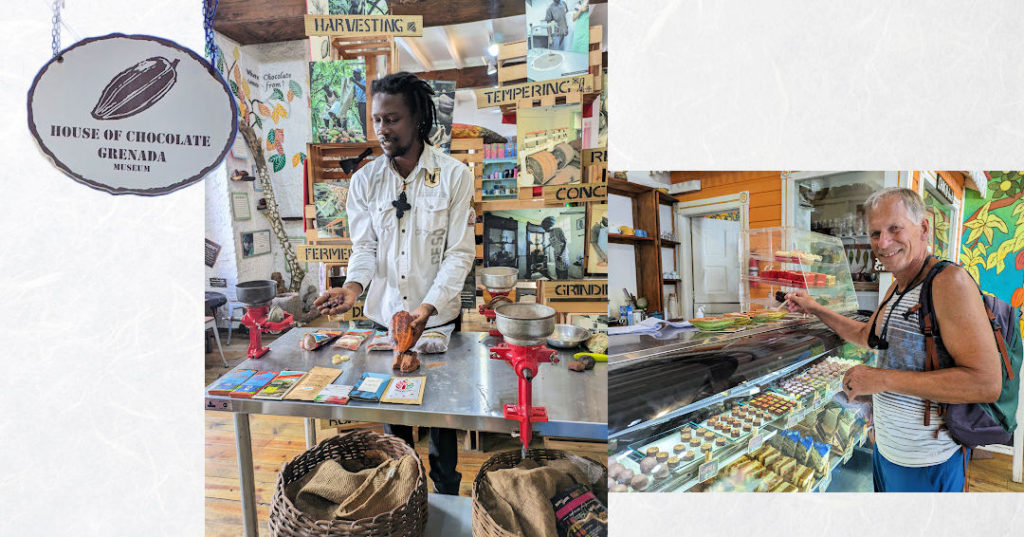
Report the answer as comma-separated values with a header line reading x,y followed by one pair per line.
x,y
816,258
671,280
503,160
665,199
619,238
793,261
669,243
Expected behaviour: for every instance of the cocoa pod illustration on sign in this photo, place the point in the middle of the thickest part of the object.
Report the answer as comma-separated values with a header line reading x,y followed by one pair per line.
x,y
137,88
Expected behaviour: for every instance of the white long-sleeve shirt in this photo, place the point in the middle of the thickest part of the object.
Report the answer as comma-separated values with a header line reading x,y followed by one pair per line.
x,y
426,256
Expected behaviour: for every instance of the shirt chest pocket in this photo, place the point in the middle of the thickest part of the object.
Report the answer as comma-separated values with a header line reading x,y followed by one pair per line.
x,y
384,220
431,219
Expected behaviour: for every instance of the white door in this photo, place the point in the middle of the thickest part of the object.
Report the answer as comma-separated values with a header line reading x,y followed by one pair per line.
x,y
716,265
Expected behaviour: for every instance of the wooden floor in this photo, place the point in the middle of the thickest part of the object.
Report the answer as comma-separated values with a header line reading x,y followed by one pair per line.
x,y
276,440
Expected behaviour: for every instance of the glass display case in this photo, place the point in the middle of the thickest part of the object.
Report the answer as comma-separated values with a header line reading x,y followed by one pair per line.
x,y
781,259
758,410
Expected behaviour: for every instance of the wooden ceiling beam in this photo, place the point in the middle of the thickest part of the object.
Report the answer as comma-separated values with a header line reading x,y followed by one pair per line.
x,y
413,48
453,49
268,21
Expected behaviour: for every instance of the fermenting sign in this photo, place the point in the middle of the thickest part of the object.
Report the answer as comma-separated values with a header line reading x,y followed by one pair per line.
x,y
132,114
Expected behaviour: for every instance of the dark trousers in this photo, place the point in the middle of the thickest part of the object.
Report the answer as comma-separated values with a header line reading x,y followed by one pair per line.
x,y
443,454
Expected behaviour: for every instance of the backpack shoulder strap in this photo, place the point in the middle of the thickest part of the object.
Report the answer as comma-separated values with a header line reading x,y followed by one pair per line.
x,y
929,327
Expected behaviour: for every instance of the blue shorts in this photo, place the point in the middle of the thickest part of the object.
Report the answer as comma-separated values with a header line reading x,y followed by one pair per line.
x,y
944,477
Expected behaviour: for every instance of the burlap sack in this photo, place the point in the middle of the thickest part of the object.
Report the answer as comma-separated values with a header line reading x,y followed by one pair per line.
x,y
330,491
519,499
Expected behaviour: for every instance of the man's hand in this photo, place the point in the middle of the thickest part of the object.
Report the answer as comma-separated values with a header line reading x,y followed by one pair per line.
x,y
338,299
863,380
421,314
801,302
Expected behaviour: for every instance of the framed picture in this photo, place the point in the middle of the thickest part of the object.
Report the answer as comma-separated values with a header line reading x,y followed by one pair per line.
x,y
331,216
337,96
542,243
550,140
557,38
597,238
212,251
444,101
255,243
240,206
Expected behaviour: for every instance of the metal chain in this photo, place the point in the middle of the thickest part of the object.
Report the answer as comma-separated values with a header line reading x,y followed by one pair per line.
x,y
55,33
209,10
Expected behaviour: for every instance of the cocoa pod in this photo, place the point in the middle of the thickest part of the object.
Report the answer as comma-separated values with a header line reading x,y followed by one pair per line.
x,y
136,88
406,362
402,331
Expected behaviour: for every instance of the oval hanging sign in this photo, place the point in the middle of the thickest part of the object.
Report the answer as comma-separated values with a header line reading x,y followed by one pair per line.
x,y
132,114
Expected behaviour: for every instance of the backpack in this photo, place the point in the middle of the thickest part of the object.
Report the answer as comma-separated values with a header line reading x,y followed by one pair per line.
x,y
977,424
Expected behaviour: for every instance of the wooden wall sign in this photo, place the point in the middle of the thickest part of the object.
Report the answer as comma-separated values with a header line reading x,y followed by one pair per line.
x,y
334,254
212,251
944,188
132,114
394,25
534,90
597,155
576,290
355,314
580,192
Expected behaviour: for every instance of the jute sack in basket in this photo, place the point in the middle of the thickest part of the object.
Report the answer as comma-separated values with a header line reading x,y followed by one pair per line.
x,y
355,452
512,497
331,491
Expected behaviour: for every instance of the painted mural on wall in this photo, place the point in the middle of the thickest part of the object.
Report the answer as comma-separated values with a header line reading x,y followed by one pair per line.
x,y
337,100
992,249
259,116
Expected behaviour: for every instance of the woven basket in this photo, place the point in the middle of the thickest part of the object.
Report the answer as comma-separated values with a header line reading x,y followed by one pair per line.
x,y
483,524
408,520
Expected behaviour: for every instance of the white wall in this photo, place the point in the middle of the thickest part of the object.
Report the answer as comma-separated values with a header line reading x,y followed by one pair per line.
x,y
621,257
467,112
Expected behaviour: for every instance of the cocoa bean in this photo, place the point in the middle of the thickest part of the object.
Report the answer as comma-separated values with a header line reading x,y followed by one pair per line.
x,y
136,88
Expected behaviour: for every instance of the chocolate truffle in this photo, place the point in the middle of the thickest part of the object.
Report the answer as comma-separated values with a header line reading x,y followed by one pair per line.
x,y
661,472
694,442
648,464
678,448
673,462
626,475
688,456
661,457
619,488
706,447
719,441
639,483
652,451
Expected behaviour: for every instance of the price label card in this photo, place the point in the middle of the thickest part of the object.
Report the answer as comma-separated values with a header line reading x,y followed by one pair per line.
x,y
825,482
848,456
793,419
223,405
755,443
707,471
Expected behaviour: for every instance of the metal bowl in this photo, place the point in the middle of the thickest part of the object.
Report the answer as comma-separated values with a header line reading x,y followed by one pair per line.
x,y
567,336
525,324
256,292
498,277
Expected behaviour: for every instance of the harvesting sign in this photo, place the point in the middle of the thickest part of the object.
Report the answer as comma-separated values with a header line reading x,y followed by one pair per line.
x,y
131,114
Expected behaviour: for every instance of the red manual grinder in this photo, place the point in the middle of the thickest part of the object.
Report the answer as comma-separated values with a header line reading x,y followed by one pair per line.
x,y
525,328
499,288
256,296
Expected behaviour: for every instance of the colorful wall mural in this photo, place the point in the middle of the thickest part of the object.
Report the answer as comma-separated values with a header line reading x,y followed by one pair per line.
x,y
992,248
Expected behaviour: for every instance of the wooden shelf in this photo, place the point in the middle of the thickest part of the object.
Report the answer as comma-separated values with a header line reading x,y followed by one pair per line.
x,y
618,238
622,187
671,280
669,243
666,199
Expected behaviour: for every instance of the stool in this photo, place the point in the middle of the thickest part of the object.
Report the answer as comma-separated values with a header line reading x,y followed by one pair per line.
x,y
211,323
231,316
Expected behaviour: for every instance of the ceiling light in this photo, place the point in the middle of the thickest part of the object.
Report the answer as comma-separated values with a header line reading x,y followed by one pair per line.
x,y
492,49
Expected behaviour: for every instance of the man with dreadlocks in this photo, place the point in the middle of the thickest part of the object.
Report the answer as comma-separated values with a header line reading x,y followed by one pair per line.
x,y
410,216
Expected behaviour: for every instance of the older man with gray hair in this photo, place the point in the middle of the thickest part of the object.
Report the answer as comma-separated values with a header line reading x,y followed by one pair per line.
x,y
910,456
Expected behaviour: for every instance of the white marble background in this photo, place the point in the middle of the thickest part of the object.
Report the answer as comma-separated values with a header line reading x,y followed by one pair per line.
x,y
101,400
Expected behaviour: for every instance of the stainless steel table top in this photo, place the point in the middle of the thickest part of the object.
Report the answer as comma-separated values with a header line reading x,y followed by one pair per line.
x,y
465,389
